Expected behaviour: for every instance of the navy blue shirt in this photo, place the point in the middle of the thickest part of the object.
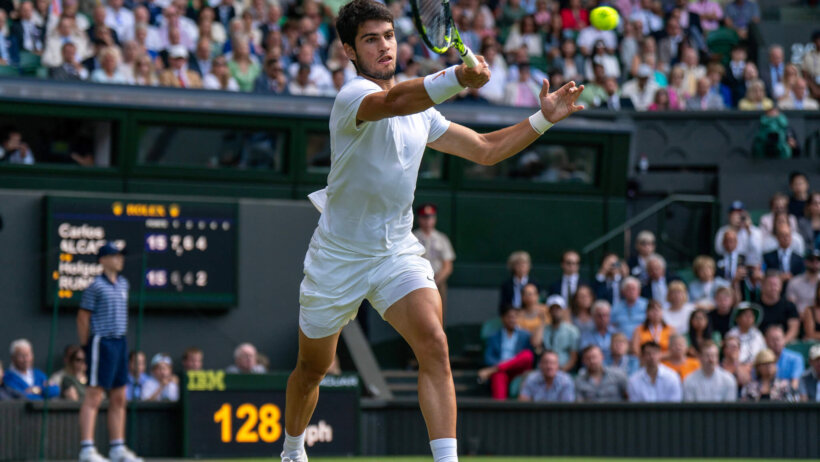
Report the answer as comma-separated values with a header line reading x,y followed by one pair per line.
x,y
108,304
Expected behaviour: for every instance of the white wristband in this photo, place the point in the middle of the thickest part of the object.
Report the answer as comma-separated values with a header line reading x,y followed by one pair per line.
x,y
442,85
540,123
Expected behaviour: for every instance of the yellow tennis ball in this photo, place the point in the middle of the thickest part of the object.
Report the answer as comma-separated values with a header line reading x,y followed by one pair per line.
x,y
604,18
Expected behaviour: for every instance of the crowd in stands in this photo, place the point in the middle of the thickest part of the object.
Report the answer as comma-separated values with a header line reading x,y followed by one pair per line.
x,y
640,332
665,55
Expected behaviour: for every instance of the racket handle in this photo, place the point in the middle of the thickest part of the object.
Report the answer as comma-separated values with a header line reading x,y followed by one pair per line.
x,y
469,58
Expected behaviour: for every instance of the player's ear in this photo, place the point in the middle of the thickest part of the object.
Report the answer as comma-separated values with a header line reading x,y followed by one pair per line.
x,y
350,52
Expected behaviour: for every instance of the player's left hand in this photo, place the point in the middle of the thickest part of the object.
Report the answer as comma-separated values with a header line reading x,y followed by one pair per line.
x,y
560,104
474,77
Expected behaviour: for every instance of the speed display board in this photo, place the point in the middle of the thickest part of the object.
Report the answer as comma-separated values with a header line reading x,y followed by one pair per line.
x,y
184,252
232,415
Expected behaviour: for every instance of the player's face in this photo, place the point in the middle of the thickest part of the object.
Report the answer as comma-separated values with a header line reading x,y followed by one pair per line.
x,y
375,52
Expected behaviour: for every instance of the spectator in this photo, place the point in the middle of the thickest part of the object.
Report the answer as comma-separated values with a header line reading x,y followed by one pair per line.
x,y
242,66
548,383
785,255
645,15
661,101
677,92
653,329
7,393
581,309
692,70
669,44
597,383
570,62
74,379
68,352
654,382
656,286
676,307
437,248
798,98
130,51
574,17
773,74
302,85
172,19
23,377
779,203
615,101
710,14
710,383
702,289
809,223
192,359
561,336
799,197
704,99
811,317
13,149
144,72
523,92
245,361
645,248
591,36
630,311
136,375
811,65
619,356
533,315
162,385
801,289
766,386
773,139
109,68
318,73
570,277
507,354
25,32
789,363
524,34
70,10
641,90
519,265
731,264
755,99
731,363
808,382
746,318
608,280
99,31
715,73
677,359
201,61
700,333
601,334
220,77
720,319
272,80
65,32
776,309
734,78
740,14
178,75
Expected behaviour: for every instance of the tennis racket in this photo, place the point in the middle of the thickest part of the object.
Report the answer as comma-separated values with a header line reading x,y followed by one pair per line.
x,y
434,22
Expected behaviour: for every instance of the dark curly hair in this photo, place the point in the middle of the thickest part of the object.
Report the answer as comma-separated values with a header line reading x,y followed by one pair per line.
x,y
355,13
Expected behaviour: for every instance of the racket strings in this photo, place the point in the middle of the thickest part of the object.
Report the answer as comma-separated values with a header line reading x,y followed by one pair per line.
x,y
434,18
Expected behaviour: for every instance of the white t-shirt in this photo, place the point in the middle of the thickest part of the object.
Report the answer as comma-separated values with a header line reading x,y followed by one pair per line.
x,y
678,319
367,205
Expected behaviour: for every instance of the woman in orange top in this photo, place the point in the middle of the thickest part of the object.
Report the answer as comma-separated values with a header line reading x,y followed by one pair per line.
x,y
653,329
534,316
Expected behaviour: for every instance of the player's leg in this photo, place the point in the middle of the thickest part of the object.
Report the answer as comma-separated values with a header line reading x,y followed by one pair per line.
x,y
417,317
315,358
94,395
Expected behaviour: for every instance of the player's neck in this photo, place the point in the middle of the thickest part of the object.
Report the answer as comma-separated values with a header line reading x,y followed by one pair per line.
x,y
384,84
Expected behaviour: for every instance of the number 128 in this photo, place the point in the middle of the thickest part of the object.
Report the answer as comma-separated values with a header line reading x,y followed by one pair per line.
x,y
267,417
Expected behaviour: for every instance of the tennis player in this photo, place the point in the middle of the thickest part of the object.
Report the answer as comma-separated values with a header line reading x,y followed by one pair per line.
x,y
363,247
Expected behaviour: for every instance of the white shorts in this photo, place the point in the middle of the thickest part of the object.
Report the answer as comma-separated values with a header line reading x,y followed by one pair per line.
x,y
336,282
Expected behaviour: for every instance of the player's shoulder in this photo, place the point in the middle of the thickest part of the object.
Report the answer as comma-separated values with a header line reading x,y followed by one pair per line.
x,y
356,87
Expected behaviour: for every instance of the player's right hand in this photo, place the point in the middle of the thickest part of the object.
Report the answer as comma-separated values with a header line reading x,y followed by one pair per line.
x,y
474,77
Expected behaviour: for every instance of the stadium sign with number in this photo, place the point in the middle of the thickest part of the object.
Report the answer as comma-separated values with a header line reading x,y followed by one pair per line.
x,y
243,415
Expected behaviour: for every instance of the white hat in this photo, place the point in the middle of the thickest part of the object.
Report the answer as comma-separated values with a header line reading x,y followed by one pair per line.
x,y
177,51
644,70
814,352
557,300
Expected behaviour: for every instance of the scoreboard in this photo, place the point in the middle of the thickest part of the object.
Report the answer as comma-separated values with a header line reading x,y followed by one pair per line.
x,y
243,415
183,252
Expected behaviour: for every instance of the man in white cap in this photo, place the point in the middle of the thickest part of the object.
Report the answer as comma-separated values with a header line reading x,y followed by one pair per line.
x,y
562,336
178,75
641,90
810,381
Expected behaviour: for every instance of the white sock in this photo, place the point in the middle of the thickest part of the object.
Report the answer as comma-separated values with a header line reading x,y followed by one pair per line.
x,y
444,450
294,443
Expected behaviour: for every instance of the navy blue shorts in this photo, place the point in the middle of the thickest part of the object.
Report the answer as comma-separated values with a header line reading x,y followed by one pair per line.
x,y
107,360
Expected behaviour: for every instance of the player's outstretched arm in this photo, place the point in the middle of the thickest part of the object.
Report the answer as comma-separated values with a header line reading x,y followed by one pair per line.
x,y
417,95
491,148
